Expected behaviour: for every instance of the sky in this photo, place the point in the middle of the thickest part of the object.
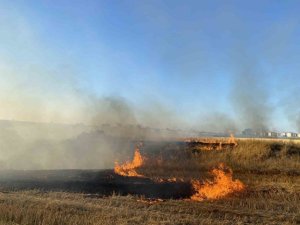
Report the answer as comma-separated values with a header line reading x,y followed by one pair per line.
x,y
200,63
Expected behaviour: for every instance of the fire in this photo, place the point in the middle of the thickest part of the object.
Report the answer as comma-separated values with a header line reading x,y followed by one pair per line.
x,y
222,185
128,168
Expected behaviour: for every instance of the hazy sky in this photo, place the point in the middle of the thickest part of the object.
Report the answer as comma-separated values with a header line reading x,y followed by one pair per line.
x,y
191,57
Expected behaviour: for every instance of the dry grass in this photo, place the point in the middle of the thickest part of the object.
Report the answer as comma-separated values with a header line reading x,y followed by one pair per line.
x,y
265,205
254,155
250,156
269,169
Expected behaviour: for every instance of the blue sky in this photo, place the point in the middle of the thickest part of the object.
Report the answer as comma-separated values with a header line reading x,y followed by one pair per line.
x,y
187,55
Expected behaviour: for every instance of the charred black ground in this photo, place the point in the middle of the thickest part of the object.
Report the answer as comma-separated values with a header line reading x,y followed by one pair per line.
x,y
102,183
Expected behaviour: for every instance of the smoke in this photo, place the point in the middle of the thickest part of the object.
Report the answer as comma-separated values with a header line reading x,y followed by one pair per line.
x,y
50,94
158,114
291,109
284,64
71,127
218,122
118,117
26,93
249,99
112,110
249,84
83,149
97,132
112,128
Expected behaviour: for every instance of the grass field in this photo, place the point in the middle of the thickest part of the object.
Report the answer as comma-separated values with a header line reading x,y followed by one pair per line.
x,y
270,171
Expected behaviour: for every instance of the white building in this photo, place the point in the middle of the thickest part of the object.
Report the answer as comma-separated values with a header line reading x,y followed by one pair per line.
x,y
289,135
272,134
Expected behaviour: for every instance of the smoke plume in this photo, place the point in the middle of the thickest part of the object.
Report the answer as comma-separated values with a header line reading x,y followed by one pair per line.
x,y
249,99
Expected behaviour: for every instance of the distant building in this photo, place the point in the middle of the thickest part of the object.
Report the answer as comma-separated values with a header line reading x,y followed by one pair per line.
x,y
282,135
272,134
263,134
289,135
294,135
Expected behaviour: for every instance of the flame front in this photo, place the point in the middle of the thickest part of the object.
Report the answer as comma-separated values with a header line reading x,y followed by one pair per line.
x,y
128,168
222,185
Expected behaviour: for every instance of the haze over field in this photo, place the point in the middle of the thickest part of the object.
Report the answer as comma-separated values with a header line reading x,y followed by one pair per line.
x,y
155,63
199,65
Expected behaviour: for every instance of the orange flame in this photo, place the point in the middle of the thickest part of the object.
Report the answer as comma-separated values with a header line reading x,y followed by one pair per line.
x,y
221,186
128,168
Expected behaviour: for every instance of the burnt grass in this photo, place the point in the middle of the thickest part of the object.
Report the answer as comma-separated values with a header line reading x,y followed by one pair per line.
x,y
102,183
269,169
173,156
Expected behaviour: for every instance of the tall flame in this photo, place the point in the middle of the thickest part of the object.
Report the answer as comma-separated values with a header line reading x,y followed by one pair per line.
x,y
222,185
128,168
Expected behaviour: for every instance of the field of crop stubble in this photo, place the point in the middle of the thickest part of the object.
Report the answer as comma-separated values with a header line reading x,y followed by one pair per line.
x,y
268,170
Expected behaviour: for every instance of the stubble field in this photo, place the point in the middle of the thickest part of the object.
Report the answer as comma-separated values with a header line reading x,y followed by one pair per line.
x,y
270,171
